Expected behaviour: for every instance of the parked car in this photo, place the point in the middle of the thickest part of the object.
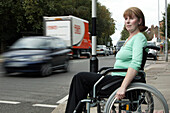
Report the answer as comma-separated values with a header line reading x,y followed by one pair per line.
x,y
118,46
111,50
102,50
38,54
152,53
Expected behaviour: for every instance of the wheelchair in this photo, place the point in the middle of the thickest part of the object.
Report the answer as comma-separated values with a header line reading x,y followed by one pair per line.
x,y
139,98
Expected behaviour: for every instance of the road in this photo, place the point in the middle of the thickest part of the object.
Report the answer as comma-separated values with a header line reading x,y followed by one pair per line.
x,y
22,93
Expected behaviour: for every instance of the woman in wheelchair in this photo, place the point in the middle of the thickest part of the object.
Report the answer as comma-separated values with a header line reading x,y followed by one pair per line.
x,y
129,57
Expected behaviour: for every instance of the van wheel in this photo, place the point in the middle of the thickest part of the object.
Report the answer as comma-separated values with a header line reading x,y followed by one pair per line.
x,y
46,70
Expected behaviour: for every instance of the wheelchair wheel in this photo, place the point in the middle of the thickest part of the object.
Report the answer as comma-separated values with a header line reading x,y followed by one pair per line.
x,y
140,98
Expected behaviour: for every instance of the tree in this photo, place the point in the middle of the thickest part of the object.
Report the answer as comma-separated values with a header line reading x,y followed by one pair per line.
x,y
124,34
8,22
105,24
25,17
168,22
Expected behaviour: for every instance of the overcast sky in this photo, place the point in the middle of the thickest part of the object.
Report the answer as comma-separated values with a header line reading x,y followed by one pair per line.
x,y
149,8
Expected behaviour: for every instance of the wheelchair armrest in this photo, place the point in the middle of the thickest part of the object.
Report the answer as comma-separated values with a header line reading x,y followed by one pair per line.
x,y
152,47
114,70
140,72
108,70
104,68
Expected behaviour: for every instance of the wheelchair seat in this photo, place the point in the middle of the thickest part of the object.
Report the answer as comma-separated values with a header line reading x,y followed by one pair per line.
x,y
106,90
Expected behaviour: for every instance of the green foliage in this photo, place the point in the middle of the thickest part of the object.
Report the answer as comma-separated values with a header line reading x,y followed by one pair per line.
x,y
124,34
168,22
105,25
8,23
25,17
168,44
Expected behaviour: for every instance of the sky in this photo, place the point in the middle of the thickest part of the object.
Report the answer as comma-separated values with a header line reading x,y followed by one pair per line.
x,y
148,7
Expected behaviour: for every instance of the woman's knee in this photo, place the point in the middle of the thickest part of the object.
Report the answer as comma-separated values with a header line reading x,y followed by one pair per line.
x,y
80,74
87,76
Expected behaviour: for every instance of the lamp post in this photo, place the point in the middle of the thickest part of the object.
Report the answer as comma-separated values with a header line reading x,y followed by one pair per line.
x,y
166,44
94,60
158,24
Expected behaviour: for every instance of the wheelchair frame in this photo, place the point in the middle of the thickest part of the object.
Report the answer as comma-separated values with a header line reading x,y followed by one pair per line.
x,y
95,101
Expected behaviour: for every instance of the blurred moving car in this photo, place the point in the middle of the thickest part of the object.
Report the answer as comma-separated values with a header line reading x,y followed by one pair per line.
x,y
36,54
152,53
118,46
102,50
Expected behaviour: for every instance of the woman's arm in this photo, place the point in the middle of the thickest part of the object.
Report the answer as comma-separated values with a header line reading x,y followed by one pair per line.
x,y
131,73
137,55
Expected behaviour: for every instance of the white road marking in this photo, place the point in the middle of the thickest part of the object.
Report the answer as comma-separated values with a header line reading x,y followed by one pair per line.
x,y
45,105
52,106
38,105
9,102
62,100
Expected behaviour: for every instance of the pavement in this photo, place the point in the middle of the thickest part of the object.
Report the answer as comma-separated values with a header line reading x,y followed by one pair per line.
x,y
158,75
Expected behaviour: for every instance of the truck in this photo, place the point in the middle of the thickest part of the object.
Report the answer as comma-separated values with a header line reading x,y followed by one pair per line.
x,y
73,30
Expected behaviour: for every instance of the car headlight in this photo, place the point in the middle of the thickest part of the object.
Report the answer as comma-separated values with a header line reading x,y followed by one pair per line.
x,y
37,57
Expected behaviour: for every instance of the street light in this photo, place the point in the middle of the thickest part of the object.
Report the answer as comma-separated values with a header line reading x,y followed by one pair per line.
x,y
158,40
166,44
94,60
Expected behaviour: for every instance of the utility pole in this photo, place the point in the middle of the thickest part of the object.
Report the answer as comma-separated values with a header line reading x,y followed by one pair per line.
x,y
166,44
94,60
158,24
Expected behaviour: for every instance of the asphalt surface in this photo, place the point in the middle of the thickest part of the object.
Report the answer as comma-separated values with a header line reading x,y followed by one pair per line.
x,y
21,93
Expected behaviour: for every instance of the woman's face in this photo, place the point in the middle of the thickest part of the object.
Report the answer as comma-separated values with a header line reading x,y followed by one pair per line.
x,y
131,23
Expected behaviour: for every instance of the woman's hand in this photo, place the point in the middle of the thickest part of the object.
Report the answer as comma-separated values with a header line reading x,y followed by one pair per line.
x,y
120,93
131,73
